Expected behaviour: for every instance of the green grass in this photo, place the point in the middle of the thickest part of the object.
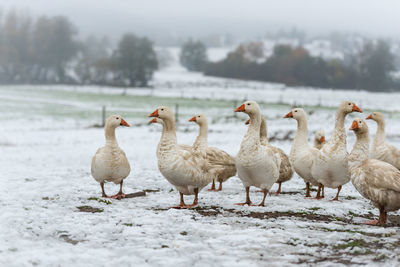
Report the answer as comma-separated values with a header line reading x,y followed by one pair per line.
x,y
100,200
352,244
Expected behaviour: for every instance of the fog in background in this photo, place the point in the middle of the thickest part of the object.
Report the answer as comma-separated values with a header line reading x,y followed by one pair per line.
x,y
161,20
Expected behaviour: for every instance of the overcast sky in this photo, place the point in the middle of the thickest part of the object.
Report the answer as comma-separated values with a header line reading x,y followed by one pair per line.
x,y
189,17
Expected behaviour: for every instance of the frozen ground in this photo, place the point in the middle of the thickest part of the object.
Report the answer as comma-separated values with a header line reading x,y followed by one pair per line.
x,y
47,141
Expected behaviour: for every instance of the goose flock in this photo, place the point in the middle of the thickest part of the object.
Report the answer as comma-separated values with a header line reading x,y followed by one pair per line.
x,y
374,173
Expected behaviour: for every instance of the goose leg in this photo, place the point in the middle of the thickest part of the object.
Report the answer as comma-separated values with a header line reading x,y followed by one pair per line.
x,y
323,191
102,190
337,195
195,201
181,203
278,191
320,188
248,201
382,218
308,189
120,194
220,186
262,204
212,186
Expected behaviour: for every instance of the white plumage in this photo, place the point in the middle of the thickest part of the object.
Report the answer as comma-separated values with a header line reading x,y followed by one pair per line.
x,y
257,165
376,180
222,163
302,155
330,167
110,162
381,149
189,172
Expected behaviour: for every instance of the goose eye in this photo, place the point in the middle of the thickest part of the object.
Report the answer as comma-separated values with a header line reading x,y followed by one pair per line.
x,y
248,104
349,104
116,118
295,111
162,109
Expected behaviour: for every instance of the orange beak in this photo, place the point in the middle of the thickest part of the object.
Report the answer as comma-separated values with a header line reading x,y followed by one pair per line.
x,y
240,109
193,119
124,123
322,139
247,122
153,121
154,114
355,108
289,115
369,117
354,125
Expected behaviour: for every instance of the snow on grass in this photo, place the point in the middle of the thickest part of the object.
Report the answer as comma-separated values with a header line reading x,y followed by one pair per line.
x,y
52,212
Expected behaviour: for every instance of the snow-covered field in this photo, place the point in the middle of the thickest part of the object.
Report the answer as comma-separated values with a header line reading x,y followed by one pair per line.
x,y
47,140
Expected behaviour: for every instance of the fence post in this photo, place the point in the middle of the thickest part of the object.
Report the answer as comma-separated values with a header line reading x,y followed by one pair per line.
x,y
234,107
103,113
177,112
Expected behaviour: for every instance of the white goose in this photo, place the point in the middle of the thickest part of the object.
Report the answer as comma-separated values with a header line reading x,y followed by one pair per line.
x,y
376,180
110,162
301,154
319,139
330,166
218,159
286,169
257,165
189,172
222,163
381,149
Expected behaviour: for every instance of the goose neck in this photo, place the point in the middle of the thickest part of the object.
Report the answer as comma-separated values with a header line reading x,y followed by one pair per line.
x,y
169,131
111,140
301,134
263,131
380,132
201,139
360,149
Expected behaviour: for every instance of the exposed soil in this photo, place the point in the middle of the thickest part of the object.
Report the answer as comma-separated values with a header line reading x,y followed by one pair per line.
x,y
89,209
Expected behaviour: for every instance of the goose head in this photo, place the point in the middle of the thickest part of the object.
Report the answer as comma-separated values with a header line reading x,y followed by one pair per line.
x,y
200,119
249,107
348,107
296,113
359,126
115,121
376,116
320,136
163,112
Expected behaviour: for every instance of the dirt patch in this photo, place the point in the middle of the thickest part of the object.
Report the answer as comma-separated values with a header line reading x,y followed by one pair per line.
x,y
89,209
137,194
289,193
349,248
304,215
67,239
151,190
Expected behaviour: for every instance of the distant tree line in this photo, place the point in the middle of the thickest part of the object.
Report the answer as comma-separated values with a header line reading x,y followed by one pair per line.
x,y
193,55
46,50
368,69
